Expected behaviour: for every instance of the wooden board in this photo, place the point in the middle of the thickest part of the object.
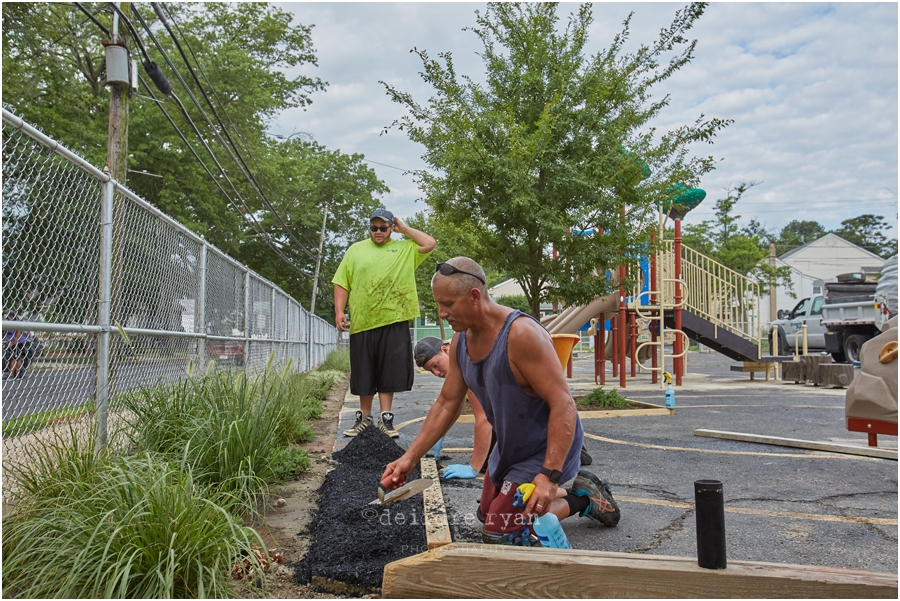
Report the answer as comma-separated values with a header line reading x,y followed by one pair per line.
x,y
751,367
624,413
437,529
800,444
493,571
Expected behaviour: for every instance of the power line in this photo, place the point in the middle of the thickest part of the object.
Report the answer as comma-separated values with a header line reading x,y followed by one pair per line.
x,y
247,214
218,100
239,161
200,136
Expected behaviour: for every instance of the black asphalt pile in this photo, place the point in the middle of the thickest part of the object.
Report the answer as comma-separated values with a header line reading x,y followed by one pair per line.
x,y
353,540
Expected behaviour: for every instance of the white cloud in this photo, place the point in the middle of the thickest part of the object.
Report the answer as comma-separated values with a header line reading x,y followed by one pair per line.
x,y
812,89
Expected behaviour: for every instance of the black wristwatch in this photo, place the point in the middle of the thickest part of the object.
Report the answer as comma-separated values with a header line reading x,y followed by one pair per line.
x,y
553,475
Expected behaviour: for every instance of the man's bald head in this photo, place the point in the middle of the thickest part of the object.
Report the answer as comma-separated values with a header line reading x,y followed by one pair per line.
x,y
461,283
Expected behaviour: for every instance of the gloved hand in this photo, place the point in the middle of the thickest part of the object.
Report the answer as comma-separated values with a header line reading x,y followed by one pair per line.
x,y
436,449
459,471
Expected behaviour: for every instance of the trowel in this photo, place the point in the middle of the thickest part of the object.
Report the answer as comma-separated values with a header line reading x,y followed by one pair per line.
x,y
386,495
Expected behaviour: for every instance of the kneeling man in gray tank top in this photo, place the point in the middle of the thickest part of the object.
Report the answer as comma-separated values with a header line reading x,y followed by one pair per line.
x,y
508,360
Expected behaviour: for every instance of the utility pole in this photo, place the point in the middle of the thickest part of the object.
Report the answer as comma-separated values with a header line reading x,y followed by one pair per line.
x,y
312,304
773,291
117,77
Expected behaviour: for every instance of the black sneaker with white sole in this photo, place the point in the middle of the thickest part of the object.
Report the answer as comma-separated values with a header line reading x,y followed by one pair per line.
x,y
362,422
386,424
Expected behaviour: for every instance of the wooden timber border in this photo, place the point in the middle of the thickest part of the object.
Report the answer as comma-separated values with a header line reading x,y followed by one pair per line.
x,y
494,571
437,529
801,444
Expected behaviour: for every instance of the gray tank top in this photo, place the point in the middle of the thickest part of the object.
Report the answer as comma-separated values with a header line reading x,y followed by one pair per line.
x,y
519,419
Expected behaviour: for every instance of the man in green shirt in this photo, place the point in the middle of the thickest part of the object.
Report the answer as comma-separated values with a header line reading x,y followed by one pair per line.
x,y
376,276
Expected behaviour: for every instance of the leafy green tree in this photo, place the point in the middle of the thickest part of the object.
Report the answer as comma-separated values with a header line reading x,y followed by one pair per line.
x,y
797,233
867,231
54,76
555,143
757,230
452,242
516,301
738,249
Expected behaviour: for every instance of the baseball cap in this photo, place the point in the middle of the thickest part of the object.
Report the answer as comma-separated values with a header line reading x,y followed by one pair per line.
x,y
427,348
382,214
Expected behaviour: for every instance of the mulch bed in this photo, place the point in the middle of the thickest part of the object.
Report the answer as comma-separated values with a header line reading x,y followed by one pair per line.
x,y
353,540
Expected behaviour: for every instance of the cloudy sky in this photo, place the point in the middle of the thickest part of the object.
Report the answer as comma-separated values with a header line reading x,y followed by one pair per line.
x,y
812,89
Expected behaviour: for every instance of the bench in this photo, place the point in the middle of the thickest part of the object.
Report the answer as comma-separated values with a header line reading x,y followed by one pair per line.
x,y
753,367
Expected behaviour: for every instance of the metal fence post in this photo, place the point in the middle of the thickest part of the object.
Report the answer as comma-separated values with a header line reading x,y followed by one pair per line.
x,y
272,343
104,311
246,319
308,341
201,309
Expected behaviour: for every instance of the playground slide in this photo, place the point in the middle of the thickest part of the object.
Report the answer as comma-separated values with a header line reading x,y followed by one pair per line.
x,y
572,319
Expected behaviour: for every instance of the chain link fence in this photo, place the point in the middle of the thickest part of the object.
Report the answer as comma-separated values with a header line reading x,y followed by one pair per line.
x,y
103,294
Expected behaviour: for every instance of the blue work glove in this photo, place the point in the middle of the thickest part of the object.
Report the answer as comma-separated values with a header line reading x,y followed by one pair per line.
x,y
459,471
436,449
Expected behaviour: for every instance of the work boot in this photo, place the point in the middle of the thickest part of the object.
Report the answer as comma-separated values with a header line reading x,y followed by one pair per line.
x,y
386,424
511,539
602,507
586,458
362,422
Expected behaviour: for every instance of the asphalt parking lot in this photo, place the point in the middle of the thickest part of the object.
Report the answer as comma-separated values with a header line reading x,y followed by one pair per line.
x,y
782,504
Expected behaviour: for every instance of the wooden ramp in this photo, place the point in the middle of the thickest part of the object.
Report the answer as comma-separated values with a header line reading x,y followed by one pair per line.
x,y
491,571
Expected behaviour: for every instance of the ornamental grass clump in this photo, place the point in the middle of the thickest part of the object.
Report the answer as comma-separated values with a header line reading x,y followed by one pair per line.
x,y
224,425
337,360
90,525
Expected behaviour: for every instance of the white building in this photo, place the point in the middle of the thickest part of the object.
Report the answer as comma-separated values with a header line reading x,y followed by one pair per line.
x,y
815,263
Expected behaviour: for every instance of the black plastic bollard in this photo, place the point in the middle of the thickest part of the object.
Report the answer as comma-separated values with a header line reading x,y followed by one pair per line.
x,y
710,506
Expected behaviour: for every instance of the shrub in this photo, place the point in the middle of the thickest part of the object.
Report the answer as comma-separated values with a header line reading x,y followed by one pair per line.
x,y
288,463
603,398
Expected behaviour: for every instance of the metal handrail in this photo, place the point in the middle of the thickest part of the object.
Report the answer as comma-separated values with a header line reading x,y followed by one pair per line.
x,y
716,288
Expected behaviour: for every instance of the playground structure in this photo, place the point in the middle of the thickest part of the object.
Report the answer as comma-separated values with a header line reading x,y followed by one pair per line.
x,y
681,295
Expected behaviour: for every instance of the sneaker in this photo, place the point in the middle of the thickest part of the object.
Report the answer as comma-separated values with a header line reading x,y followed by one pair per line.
x,y
520,538
586,458
362,422
602,507
386,424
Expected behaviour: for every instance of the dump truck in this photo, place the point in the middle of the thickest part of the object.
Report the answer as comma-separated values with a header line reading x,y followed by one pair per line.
x,y
852,311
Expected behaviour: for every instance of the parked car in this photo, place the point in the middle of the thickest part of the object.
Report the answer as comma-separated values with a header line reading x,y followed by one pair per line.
x,y
231,351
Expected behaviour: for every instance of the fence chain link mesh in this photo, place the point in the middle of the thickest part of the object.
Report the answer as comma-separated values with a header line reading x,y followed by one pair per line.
x,y
175,301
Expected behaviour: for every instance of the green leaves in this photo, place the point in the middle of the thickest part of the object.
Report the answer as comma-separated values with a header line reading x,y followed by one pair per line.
x,y
535,153
54,78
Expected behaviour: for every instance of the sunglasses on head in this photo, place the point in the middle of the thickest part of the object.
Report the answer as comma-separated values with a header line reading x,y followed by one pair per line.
x,y
448,269
379,228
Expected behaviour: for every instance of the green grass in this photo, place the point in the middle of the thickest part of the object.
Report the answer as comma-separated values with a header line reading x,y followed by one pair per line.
x,y
163,519
90,526
601,397
230,427
337,360
35,421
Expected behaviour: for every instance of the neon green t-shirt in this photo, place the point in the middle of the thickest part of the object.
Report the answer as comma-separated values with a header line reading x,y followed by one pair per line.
x,y
381,282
